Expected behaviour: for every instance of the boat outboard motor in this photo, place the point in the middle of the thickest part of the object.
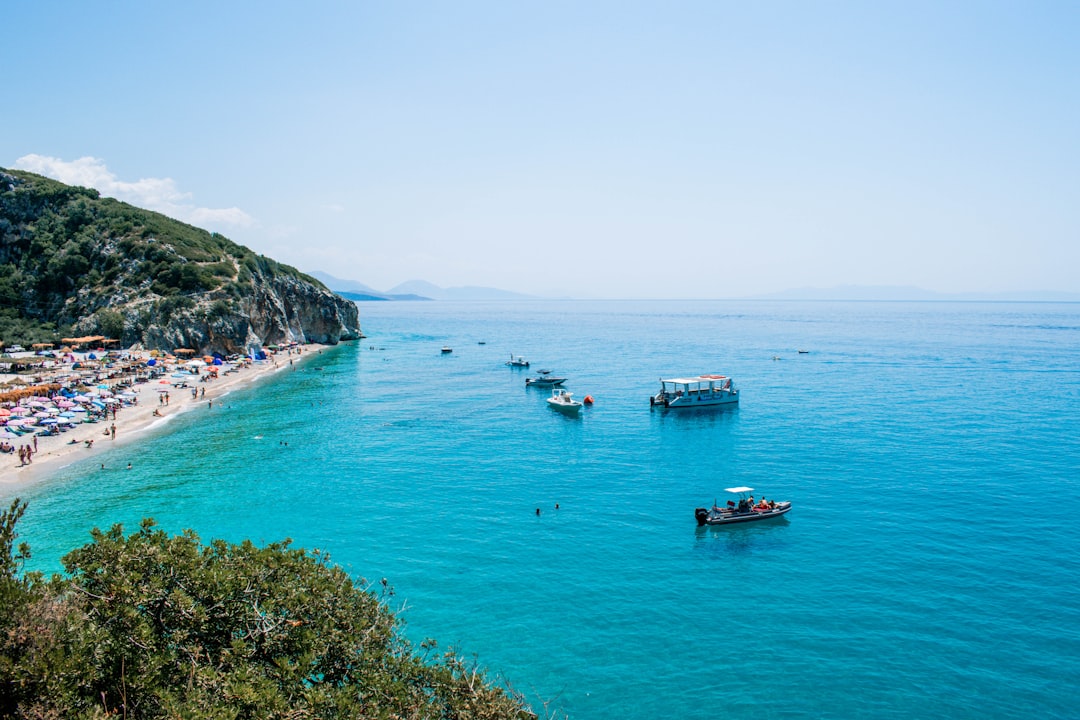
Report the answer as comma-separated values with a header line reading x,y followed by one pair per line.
x,y
702,515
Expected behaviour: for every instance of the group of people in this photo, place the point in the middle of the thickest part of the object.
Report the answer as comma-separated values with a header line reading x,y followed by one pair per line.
x,y
748,504
25,451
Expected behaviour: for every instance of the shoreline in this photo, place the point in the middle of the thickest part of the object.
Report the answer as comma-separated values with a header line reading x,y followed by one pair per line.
x,y
134,422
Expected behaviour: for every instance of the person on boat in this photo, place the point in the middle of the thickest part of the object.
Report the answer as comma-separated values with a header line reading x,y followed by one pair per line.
x,y
763,505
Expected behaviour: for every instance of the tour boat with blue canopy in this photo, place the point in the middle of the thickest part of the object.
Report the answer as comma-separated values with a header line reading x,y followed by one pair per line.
x,y
696,392
743,510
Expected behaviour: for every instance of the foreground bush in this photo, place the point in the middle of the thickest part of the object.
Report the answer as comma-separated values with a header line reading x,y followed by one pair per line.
x,y
156,626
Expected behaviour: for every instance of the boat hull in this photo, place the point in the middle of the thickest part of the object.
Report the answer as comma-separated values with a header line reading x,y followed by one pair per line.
x,y
719,516
696,401
565,408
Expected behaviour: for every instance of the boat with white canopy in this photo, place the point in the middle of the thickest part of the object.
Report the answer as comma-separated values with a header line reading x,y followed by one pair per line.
x,y
696,392
743,510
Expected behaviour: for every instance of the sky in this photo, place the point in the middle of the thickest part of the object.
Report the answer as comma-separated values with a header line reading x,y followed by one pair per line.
x,y
584,149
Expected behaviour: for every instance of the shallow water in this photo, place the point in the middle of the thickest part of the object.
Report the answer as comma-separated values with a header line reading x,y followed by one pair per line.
x,y
928,568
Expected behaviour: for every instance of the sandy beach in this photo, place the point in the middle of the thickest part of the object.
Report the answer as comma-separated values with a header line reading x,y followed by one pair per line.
x,y
137,420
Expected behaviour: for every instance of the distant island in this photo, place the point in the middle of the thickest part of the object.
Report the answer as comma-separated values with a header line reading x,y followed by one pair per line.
x,y
419,290
73,263
413,290
913,294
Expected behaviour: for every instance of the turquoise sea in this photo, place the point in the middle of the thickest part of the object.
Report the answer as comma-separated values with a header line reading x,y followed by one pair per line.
x,y
930,566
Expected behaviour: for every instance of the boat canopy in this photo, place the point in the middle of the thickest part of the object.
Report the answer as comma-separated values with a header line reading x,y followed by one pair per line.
x,y
739,489
699,379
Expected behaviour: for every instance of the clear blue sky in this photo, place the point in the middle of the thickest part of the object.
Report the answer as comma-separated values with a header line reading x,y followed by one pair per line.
x,y
602,149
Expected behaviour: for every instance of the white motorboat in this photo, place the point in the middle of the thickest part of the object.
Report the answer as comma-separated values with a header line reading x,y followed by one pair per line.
x,y
744,510
517,361
696,392
563,401
447,350
544,378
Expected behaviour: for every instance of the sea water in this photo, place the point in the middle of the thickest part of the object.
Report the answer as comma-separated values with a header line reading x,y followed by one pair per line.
x,y
930,566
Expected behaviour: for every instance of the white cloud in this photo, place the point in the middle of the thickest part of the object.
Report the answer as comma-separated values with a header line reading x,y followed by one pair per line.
x,y
158,194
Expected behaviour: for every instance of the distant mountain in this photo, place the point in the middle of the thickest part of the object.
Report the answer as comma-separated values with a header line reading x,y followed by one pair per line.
x,y
911,293
353,290
426,289
412,290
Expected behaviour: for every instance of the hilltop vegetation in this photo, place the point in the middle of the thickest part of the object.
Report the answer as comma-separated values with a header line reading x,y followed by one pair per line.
x,y
72,262
152,626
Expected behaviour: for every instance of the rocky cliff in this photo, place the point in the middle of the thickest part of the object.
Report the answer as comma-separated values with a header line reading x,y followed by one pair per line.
x,y
72,262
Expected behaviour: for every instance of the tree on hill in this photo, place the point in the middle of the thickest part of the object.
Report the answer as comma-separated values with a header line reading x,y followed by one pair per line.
x,y
149,625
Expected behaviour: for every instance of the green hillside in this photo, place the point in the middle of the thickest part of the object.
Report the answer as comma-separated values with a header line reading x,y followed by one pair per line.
x,y
74,262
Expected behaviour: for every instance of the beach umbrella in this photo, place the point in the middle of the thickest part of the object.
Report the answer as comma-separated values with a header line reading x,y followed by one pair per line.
x,y
112,401
49,421
8,435
68,414
20,410
81,398
4,412
65,404
16,422
41,414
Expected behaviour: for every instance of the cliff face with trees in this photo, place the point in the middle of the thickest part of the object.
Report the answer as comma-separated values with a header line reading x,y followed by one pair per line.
x,y
74,263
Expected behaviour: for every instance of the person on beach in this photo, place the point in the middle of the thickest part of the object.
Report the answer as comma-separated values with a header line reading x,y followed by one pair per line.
x,y
35,443
112,429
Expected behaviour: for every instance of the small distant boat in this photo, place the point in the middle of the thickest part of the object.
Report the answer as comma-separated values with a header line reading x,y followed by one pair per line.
x,y
695,392
447,350
742,511
517,361
544,379
563,401
803,352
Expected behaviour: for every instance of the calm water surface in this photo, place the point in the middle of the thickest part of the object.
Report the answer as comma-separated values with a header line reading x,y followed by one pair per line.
x,y
929,567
